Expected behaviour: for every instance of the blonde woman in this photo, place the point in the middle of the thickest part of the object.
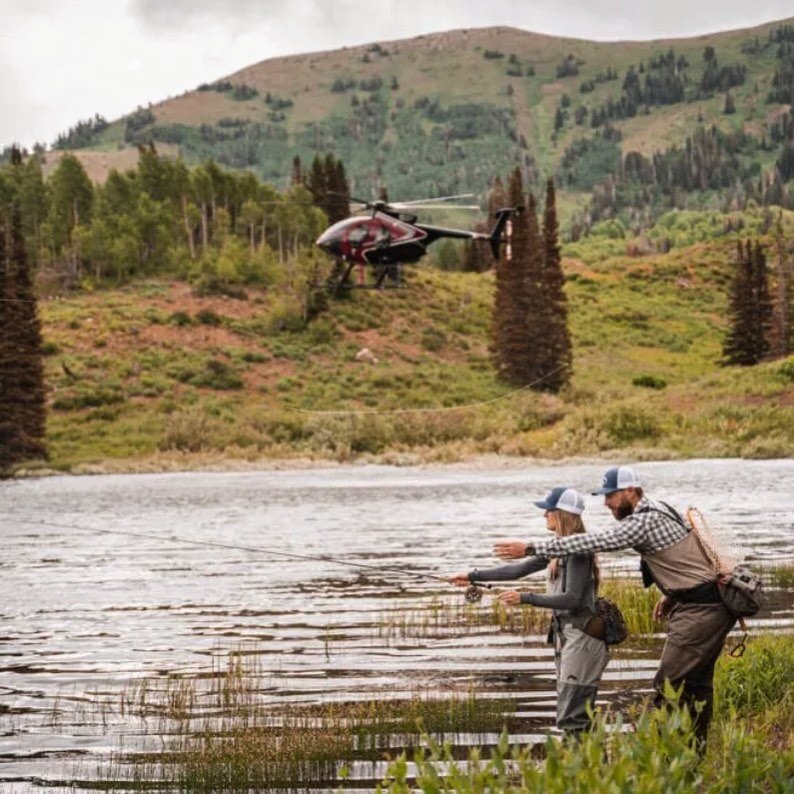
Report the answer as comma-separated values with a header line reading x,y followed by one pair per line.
x,y
579,656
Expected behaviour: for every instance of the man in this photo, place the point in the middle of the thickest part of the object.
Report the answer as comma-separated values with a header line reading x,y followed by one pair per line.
x,y
675,560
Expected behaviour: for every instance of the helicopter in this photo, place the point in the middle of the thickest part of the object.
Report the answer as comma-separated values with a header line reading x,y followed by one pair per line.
x,y
390,236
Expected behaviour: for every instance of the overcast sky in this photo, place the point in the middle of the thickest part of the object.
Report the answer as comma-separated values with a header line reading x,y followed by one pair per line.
x,y
65,61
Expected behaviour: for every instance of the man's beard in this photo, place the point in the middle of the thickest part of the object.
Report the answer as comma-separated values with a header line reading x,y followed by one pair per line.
x,y
623,510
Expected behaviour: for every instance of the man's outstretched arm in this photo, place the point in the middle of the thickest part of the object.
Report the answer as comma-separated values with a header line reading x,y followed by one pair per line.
x,y
626,534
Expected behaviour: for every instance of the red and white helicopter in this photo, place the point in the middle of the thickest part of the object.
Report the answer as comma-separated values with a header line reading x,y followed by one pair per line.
x,y
389,236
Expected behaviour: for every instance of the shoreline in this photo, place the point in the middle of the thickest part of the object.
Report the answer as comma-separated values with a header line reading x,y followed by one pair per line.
x,y
184,463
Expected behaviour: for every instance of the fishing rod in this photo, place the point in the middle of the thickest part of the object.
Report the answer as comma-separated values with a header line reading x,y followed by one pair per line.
x,y
473,593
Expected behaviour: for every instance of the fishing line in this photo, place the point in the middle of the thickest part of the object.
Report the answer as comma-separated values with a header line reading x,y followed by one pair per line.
x,y
257,549
368,412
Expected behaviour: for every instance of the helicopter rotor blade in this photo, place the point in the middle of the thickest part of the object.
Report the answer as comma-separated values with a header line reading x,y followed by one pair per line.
x,y
429,200
470,207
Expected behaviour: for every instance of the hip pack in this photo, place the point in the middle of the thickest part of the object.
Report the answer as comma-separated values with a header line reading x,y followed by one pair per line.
x,y
608,623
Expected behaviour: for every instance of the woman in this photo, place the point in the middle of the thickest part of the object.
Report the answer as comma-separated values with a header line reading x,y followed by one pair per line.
x,y
579,655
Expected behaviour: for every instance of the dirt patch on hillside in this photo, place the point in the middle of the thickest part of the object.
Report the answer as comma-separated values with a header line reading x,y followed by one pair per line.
x,y
99,164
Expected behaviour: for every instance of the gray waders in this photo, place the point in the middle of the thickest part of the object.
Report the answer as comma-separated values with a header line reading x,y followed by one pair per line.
x,y
580,661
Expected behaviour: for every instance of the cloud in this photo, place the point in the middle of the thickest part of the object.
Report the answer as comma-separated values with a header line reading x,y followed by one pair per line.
x,y
156,18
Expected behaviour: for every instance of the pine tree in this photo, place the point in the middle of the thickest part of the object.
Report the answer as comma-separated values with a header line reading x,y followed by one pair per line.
x,y
22,393
297,171
317,183
558,338
508,308
750,308
536,356
780,337
338,202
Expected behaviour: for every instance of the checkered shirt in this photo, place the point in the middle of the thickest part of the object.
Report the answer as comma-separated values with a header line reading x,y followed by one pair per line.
x,y
646,530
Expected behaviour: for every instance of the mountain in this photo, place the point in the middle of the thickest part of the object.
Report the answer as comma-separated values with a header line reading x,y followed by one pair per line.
x,y
446,112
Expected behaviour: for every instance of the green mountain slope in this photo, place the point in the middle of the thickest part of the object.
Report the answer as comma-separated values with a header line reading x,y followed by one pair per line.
x,y
446,112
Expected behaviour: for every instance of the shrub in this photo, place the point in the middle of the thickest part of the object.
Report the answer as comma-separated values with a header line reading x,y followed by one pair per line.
x,y
217,374
91,398
179,318
208,317
433,339
188,431
626,424
786,369
650,382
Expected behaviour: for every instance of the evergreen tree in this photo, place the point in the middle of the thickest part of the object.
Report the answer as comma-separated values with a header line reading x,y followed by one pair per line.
x,y
750,308
22,393
509,310
558,339
338,200
536,356
781,336
297,171
317,183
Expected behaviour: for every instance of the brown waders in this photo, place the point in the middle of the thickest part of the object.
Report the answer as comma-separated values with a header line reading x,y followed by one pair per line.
x,y
695,636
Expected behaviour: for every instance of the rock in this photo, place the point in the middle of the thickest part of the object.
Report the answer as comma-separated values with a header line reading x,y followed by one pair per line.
x,y
366,355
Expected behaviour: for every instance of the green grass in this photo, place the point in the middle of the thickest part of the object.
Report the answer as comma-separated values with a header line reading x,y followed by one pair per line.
x,y
749,747
635,322
215,734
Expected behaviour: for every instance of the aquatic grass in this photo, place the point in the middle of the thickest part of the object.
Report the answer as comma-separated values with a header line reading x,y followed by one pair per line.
x,y
781,575
636,603
217,733
445,616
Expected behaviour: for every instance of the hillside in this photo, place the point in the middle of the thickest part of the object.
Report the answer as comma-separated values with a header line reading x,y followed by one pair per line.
x,y
149,376
444,113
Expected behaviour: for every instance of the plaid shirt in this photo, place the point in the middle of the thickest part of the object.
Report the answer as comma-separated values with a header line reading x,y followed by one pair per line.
x,y
645,530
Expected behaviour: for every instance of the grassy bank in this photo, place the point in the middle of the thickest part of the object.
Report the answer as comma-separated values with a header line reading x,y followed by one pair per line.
x,y
217,734
150,376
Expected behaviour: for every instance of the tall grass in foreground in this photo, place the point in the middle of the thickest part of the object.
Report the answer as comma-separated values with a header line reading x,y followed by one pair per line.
x,y
749,749
217,735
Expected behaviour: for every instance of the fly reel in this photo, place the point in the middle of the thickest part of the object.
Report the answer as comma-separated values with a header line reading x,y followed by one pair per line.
x,y
473,594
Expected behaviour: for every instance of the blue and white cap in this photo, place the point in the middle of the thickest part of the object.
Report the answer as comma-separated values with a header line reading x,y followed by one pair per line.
x,y
563,499
617,479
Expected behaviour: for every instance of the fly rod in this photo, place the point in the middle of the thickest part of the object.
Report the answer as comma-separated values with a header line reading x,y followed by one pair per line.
x,y
473,593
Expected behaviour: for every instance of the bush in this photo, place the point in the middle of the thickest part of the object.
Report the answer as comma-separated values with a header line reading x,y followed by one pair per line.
x,y
786,369
626,424
188,431
217,374
649,382
433,339
208,317
92,398
180,318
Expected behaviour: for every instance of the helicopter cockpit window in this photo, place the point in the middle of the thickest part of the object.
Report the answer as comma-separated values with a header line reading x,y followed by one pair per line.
x,y
358,235
382,236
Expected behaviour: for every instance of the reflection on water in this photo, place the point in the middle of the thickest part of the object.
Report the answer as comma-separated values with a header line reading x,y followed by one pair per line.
x,y
86,614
